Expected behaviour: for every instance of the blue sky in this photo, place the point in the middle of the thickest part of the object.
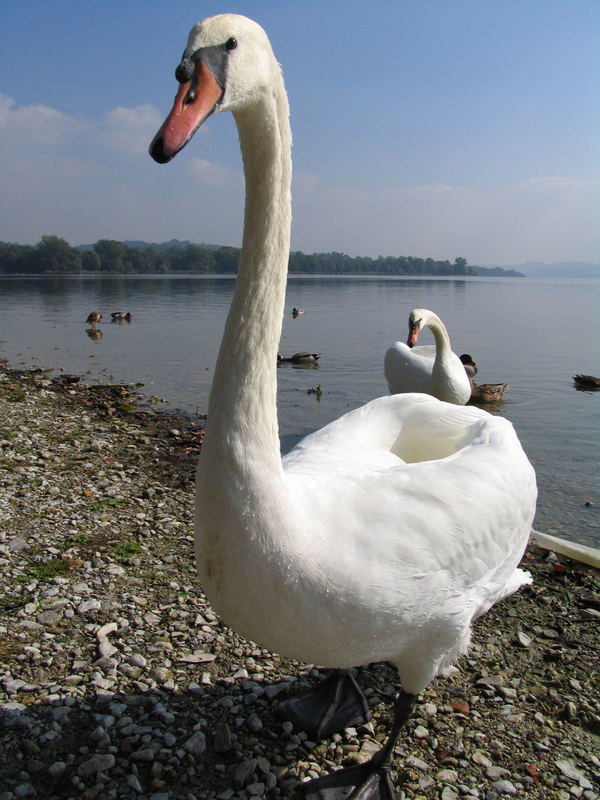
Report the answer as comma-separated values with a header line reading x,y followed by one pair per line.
x,y
435,128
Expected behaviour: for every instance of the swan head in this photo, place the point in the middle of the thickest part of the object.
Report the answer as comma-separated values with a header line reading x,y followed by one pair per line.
x,y
227,65
417,319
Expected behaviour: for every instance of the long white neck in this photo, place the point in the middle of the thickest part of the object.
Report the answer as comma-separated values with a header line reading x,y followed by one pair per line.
x,y
242,405
442,366
440,334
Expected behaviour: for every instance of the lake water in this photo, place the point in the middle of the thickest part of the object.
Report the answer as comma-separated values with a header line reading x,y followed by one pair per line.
x,y
533,334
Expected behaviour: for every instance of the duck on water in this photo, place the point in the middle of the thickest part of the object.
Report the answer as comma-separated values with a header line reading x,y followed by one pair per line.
x,y
482,393
93,318
299,358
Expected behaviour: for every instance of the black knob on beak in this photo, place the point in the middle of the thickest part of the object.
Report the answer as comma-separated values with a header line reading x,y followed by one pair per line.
x,y
184,70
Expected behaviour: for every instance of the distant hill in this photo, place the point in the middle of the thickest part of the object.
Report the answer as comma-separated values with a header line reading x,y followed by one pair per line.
x,y
562,269
501,272
143,246
170,244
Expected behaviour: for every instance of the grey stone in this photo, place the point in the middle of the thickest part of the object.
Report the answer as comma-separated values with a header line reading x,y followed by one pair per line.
x,y
97,763
494,773
505,787
89,605
17,545
49,617
196,744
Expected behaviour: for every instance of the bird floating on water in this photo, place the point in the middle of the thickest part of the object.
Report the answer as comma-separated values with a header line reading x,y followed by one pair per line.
x,y
300,358
94,318
297,312
483,393
487,393
379,537
433,369
469,364
588,383
121,316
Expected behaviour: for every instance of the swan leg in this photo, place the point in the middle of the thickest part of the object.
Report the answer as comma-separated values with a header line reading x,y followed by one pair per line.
x,y
370,781
336,703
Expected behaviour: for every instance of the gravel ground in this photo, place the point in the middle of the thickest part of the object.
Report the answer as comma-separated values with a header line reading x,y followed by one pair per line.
x,y
118,681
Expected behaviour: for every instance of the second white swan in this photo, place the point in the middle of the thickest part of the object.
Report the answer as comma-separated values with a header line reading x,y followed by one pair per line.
x,y
433,369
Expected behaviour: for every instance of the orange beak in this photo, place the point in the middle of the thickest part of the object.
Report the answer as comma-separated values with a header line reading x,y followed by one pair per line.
x,y
195,101
413,335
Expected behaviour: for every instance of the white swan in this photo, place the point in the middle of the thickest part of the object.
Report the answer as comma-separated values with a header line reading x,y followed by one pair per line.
x,y
356,547
433,369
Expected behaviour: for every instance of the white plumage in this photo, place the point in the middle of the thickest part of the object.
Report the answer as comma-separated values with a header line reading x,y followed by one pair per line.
x,y
379,537
433,369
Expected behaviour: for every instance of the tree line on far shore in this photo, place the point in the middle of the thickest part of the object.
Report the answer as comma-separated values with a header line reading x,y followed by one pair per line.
x,y
54,255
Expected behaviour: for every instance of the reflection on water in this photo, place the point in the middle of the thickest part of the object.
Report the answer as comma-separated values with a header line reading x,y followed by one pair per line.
x,y
523,332
94,333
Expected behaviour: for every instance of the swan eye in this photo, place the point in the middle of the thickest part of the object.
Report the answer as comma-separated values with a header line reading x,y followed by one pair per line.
x,y
231,44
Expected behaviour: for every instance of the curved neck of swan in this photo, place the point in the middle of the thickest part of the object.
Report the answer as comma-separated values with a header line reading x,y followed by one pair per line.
x,y
443,349
242,406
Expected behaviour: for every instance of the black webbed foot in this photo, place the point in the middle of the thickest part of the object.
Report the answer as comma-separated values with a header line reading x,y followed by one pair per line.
x,y
336,703
354,783
370,781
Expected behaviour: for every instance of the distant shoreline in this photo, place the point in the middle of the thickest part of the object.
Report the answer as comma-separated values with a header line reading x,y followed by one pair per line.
x,y
54,255
190,274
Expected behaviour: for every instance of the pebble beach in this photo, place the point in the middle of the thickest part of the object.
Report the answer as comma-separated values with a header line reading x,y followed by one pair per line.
x,y
117,680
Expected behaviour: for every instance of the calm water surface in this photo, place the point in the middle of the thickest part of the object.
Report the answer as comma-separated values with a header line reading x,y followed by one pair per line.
x,y
533,334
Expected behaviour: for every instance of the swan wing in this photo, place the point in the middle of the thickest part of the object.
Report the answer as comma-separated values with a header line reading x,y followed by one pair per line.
x,y
393,479
412,453
408,369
